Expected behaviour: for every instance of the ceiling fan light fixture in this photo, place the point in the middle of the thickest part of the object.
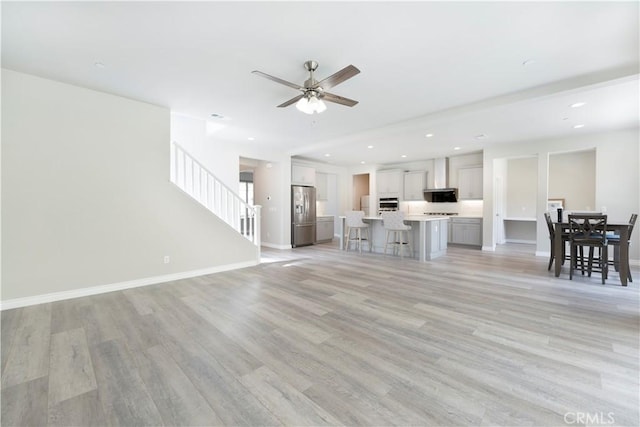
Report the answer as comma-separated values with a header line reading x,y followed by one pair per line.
x,y
310,104
320,106
312,90
303,105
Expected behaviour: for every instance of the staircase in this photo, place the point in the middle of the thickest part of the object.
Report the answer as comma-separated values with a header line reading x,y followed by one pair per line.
x,y
197,181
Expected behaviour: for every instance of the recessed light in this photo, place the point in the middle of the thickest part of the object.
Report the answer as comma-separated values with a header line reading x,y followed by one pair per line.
x,y
369,146
481,136
577,104
528,62
403,156
327,155
429,135
251,138
98,65
456,148
578,126
362,162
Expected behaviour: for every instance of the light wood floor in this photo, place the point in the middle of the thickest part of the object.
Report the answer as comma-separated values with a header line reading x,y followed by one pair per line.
x,y
315,336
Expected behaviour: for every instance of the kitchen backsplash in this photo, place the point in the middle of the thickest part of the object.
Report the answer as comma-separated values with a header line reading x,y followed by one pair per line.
x,y
462,208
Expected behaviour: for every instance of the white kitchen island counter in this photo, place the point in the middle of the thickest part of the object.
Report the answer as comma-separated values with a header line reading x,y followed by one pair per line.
x,y
429,235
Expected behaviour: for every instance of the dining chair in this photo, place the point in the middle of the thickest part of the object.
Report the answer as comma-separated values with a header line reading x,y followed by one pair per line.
x,y
614,240
588,230
552,233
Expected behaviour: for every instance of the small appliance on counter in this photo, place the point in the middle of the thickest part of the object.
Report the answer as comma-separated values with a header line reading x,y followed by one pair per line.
x,y
303,215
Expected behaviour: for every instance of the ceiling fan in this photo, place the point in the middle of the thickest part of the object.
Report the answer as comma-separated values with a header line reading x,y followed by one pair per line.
x,y
313,91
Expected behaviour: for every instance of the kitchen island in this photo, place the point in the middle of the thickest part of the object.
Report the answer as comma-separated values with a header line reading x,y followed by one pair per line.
x,y
428,235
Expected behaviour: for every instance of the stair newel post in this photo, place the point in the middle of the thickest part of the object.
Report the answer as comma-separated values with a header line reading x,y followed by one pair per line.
x,y
256,227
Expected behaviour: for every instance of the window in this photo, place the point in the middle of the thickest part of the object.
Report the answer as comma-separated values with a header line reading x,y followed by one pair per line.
x,y
246,192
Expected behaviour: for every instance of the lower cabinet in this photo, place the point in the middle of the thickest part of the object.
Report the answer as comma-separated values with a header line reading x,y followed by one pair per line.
x,y
324,229
437,243
466,231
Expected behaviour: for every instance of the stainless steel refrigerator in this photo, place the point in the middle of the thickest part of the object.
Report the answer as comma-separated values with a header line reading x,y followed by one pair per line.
x,y
303,215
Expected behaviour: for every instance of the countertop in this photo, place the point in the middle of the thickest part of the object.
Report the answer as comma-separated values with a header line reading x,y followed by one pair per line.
x,y
420,218
415,218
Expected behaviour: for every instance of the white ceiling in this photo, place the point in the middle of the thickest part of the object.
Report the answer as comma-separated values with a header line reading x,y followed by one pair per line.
x,y
454,69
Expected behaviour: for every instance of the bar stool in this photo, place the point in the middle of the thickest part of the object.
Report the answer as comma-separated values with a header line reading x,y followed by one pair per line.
x,y
396,228
354,222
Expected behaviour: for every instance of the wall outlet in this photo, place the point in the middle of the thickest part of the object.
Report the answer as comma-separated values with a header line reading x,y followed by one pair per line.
x,y
167,259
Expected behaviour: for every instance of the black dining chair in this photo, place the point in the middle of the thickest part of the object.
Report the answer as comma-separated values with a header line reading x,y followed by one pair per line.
x,y
552,233
590,231
614,240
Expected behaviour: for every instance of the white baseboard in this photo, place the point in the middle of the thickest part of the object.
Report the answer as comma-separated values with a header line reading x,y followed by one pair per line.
x,y
274,246
489,248
94,290
526,242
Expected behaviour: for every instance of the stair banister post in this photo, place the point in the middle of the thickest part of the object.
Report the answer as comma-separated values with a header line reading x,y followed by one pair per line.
x,y
256,227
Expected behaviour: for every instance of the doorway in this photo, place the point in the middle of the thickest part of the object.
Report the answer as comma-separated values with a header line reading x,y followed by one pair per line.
x,y
361,200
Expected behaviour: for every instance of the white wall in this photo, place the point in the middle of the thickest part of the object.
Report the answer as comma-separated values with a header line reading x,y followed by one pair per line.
x,y
617,184
272,190
522,187
86,194
222,160
572,177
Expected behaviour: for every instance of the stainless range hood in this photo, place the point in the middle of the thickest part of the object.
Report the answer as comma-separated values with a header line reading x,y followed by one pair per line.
x,y
442,193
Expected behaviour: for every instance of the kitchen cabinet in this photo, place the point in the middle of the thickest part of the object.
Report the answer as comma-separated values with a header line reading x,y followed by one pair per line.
x,y
322,186
466,231
437,238
415,183
303,175
470,183
389,183
324,229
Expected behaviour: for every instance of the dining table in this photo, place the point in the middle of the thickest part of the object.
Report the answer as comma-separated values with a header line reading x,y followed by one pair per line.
x,y
620,227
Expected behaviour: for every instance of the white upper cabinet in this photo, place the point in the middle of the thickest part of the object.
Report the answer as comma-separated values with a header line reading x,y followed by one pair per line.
x,y
303,175
389,183
414,185
470,184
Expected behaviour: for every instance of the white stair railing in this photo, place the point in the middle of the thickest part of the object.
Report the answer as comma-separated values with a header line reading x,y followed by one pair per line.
x,y
197,181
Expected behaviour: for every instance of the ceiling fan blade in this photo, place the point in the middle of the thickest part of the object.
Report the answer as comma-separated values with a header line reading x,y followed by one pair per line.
x,y
291,101
338,99
277,80
337,78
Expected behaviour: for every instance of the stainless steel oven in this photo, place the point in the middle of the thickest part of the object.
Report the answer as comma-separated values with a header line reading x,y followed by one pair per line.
x,y
386,204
